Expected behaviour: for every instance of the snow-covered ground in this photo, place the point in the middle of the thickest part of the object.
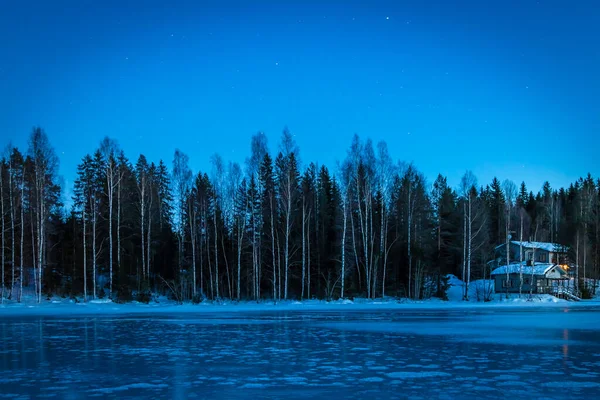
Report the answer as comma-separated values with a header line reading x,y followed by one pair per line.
x,y
483,291
160,304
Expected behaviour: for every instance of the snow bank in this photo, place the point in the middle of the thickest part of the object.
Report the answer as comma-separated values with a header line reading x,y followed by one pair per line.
x,y
160,304
479,290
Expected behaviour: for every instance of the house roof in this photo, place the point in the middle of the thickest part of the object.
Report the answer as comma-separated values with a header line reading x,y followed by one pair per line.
x,y
538,269
554,247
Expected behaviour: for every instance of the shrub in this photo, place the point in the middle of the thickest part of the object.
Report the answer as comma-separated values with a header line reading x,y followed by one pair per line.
x,y
123,294
586,292
143,296
442,287
197,299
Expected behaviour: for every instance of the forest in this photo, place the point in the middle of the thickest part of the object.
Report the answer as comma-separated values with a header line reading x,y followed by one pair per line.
x,y
277,227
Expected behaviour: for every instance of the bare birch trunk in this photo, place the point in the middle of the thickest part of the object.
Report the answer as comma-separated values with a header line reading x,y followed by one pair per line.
x,y
303,247
240,243
464,263
2,233
119,224
210,272
382,245
507,249
22,236
273,248
216,255
521,257
577,262
83,217
308,255
286,250
110,229
345,220
470,248
143,222
94,254
34,223
149,240
533,260
226,267
12,227
409,244
192,223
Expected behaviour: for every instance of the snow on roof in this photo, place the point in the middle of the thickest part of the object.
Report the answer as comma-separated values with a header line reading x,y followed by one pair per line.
x,y
538,245
515,268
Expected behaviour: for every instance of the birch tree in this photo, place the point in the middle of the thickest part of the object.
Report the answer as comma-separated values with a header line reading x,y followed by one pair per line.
x,y
81,201
108,149
240,215
95,191
218,175
467,186
523,219
2,216
345,172
182,176
510,194
12,193
288,186
15,183
45,166
258,151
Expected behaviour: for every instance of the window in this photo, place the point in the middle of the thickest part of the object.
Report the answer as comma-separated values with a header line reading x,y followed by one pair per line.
x,y
527,281
506,283
543,257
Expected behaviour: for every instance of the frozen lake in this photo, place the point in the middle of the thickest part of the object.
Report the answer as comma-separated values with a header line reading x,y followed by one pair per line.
x,y
551,352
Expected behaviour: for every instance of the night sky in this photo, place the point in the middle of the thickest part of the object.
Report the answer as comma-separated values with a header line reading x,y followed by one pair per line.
x,y
504,88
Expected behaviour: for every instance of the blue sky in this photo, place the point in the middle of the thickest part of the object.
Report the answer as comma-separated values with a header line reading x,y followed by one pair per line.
x,y
504,88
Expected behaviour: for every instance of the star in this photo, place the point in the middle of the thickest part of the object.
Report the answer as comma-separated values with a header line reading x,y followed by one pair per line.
x,y
276,63
387,18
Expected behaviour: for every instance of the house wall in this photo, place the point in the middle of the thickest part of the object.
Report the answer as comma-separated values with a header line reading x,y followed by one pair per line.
x,y
514,283
541,256
553,274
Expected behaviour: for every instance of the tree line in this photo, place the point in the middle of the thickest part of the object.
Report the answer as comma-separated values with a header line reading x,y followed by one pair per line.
x,y
274,228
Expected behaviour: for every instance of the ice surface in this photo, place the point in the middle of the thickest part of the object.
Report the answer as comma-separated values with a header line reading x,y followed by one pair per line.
x,y
487,353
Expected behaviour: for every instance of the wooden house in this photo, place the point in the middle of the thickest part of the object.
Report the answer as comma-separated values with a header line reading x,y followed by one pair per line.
x,y
537,278
533,252
545,267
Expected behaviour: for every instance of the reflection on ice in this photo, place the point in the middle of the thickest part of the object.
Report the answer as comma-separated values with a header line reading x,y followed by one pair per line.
x,y
428,354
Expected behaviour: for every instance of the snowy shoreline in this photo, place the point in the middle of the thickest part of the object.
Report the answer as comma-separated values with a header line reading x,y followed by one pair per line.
x,y
65,307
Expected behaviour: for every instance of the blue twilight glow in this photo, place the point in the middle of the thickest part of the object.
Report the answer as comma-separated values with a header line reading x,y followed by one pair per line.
x,y
504,88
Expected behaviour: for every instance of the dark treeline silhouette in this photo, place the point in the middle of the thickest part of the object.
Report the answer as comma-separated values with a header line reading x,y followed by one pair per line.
x,y
274,228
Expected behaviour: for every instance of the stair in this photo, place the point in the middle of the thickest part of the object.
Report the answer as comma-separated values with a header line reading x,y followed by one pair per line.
x,y
566,293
